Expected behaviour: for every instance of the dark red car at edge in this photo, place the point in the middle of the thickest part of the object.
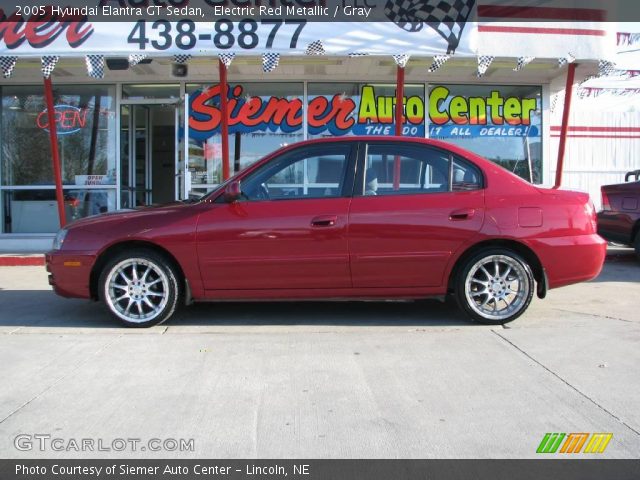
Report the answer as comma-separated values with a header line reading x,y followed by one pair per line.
x,y
357,217
619,219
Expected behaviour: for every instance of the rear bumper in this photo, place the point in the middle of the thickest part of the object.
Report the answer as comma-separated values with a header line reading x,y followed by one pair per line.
x,y
69,273
572,259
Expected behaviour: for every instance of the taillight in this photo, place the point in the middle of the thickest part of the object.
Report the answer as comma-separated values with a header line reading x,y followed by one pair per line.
x,y
605,200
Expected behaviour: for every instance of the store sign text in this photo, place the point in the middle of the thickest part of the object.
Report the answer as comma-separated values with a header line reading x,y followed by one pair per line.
x,y
366,114
69,119
41,29
473,110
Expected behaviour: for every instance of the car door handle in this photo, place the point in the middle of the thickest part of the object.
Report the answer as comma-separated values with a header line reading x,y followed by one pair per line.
x,y
324,221
462,214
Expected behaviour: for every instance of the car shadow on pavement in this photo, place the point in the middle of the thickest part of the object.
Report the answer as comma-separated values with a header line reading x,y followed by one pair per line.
x,y
620,267
42,308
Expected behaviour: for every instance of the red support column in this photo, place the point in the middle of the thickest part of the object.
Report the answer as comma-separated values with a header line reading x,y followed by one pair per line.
x,y
55,155
398,119
224,110
565,122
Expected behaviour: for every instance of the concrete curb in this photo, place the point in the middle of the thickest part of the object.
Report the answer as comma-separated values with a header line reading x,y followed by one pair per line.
x,y
21,260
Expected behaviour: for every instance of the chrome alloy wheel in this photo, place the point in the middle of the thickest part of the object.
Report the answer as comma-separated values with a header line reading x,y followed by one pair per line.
x,y
497,287
136,290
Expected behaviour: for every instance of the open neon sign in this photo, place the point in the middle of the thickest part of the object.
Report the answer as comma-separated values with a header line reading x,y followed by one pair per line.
x,y
69,119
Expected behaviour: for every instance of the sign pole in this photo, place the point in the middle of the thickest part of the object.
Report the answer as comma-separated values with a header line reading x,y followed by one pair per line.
x,y
55,155
565,122
399,108
224,110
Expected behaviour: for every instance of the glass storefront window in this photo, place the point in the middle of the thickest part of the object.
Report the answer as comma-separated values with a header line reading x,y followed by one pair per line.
x,y
36,211
501,123
336,109
263,118
85,120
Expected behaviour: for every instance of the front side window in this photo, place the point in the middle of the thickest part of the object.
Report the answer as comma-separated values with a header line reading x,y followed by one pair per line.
x,y
316,172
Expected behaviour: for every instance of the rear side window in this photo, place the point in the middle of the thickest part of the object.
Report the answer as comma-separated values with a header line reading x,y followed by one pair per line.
x,y
397,169
465,176
394,169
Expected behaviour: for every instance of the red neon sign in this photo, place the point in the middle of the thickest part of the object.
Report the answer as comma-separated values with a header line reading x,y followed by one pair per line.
x,y
69,119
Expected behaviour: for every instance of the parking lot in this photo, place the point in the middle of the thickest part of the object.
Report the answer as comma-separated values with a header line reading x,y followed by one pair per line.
x,y
323,380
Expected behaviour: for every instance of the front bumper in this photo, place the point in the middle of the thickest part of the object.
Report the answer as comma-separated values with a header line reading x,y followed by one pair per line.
x,y
70,273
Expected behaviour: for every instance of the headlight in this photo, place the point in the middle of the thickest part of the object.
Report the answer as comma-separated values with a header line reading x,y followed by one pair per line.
x,y
57,242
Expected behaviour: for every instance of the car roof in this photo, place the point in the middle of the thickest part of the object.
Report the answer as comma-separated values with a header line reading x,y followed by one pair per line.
x,y
417,140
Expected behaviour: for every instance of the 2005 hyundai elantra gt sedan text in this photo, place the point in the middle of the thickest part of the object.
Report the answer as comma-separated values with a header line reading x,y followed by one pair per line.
x,y
357,217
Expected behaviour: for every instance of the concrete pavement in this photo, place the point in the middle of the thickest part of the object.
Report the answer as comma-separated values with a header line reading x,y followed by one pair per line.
x,y
323,380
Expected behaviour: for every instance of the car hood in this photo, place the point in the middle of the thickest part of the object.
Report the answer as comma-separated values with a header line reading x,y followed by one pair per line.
x,y
127,214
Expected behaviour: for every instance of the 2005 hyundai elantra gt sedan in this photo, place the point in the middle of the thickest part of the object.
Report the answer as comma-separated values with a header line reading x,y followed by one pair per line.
x,y
357,217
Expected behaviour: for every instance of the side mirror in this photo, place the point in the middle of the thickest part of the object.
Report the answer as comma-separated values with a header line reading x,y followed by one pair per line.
x,y
232,192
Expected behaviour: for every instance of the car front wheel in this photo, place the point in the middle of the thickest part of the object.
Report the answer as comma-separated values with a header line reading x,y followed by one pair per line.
x,y
495,286
140,288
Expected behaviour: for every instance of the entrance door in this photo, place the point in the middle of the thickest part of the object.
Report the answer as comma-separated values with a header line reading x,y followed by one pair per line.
x,y
148,154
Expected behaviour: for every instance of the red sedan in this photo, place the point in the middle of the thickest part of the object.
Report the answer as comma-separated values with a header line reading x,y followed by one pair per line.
x,y
357,217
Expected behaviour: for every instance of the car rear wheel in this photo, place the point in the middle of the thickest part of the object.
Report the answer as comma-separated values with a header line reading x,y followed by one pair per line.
x,y
636,245
140,288
495,286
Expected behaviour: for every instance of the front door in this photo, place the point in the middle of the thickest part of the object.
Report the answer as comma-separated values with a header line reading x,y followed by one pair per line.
x,y
148,154
414,207
290,229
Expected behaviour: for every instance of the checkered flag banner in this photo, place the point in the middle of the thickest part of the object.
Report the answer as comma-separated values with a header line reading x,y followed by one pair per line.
x,y
315,48
483,64
357,54
401,60
606,68
556,100
48,63
135,59
95,66
181,58
448,18
270,61
565,60
438,61
227,58
8,63
522,62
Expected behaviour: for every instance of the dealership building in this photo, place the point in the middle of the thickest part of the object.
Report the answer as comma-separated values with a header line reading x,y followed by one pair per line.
x,y
137,124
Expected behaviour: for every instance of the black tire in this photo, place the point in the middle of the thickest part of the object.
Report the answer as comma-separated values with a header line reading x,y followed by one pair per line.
x,y
137,306
636,245
476,296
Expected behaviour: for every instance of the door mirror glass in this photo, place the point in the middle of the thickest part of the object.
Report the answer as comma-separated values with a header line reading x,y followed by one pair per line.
x,y
232,192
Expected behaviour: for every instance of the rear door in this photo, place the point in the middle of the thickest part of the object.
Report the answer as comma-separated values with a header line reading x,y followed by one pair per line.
x,y
413,207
